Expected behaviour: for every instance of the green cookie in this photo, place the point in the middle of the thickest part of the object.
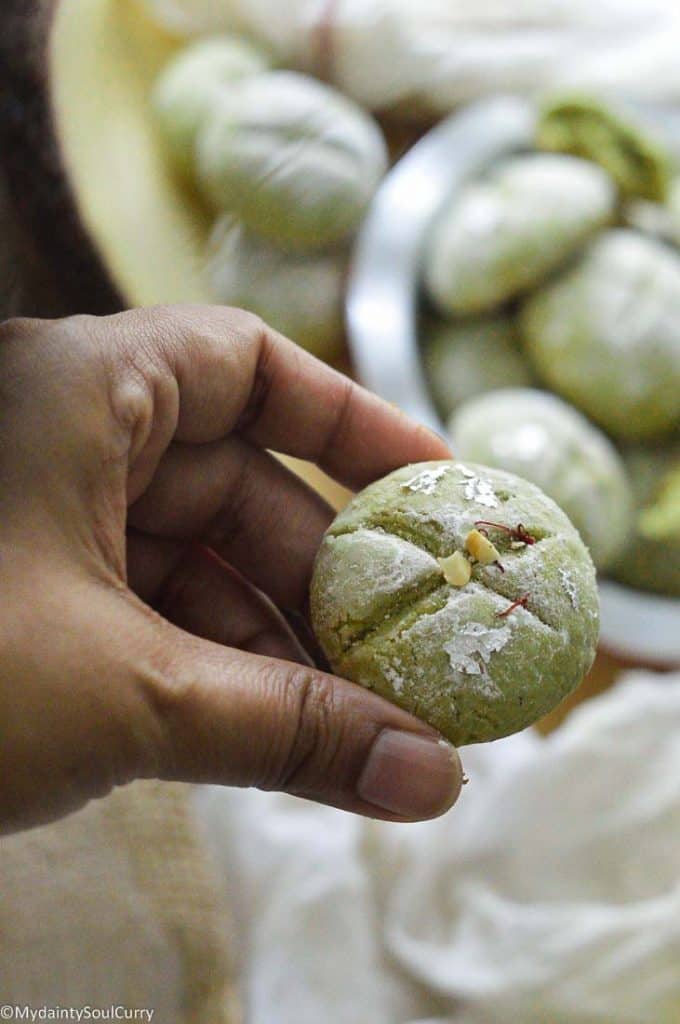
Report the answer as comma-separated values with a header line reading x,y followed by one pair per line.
x,y
469,357
540,437
296,161
606,335
652,559
623,141
506,233
477,659
191,85
300,294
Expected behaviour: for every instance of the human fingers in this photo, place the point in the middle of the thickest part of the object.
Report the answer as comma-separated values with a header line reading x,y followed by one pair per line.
x,y
243,503
211,370
226,717
195,589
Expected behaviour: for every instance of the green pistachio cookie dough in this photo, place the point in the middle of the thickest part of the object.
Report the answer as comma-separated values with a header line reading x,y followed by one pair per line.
x,y
661,520
651,561
192,83
478,634
606,334
297,161
505,234
622,141
468,357
541,438
300,294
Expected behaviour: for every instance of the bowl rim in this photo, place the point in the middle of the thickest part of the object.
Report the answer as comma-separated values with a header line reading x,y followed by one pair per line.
x,y
382,315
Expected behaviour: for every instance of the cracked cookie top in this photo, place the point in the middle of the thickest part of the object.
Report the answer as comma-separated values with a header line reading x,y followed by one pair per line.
x,y
459,592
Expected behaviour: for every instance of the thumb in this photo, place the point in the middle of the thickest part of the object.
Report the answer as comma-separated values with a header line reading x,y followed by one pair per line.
x,y
228,717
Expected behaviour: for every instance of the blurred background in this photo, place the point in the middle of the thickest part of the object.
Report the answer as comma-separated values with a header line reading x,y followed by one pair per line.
x,y
474,208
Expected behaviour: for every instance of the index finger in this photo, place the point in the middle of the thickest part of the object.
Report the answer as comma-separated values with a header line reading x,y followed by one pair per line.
x,y
236,373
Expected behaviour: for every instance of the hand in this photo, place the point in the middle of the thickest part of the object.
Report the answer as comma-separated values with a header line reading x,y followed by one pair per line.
x,y
133,466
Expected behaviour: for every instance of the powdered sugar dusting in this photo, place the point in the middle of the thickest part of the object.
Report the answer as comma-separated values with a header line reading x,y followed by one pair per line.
x,y
567,581
393,676
426,481
366,569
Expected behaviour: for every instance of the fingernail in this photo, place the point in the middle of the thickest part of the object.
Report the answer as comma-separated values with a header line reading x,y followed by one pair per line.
x,y
413,776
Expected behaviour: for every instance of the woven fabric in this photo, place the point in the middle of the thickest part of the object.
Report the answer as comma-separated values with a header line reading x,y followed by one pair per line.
x,y
116,905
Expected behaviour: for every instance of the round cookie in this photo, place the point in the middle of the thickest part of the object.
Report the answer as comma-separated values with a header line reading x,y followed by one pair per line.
x,y
625,141
300,294
470,357
189,86
541,438
505,234
651,561
479,634
606,334
295,160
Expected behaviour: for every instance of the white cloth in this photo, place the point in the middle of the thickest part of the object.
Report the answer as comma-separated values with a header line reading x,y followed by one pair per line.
x,y
431,55
551,893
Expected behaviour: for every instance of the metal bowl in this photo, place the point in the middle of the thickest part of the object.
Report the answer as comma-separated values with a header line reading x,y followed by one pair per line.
x,y
382,316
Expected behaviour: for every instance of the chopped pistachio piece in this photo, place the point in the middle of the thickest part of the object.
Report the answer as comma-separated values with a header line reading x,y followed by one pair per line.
x,y
456,568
